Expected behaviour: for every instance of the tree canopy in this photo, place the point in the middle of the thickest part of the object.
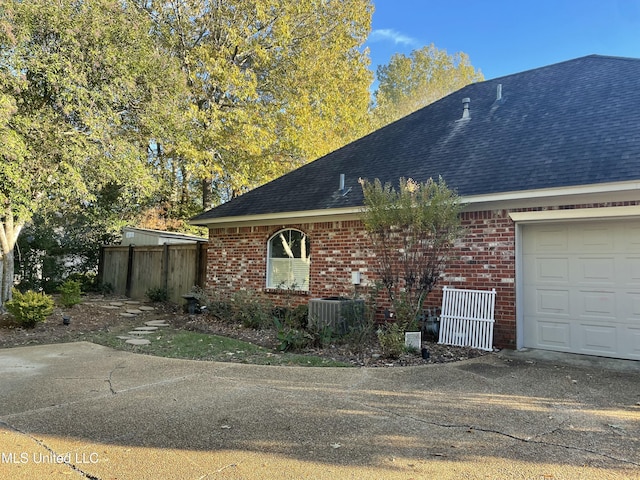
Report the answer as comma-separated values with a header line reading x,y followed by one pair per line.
x,y
148,111
408,83
272,84
78,82
178,103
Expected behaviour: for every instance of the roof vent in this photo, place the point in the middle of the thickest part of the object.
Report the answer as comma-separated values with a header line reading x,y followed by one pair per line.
x,y
343,190
499,92
465,107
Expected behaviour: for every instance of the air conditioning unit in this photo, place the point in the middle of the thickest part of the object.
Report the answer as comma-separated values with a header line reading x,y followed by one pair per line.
x,y
338,313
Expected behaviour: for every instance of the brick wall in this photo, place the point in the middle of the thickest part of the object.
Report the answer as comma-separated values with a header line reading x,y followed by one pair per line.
x,y
236,258
483,259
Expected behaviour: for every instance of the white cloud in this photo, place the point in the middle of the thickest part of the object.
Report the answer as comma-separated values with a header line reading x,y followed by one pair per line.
x,y
381,35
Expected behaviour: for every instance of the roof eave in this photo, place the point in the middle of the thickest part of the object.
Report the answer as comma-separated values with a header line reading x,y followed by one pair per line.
x,y
300,216
571,195
549,197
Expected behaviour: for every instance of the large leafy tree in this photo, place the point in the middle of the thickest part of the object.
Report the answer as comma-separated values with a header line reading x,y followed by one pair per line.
x,y
82,88
409,83
272,84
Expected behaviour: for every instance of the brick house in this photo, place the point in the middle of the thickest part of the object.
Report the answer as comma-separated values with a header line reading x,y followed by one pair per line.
x,y
547,162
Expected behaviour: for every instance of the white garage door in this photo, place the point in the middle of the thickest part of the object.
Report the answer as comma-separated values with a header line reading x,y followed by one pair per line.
x,y
582,287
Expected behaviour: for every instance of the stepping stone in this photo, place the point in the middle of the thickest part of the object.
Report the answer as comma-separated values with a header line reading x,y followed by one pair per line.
x,y
128,315
146,329
145,308
111,307
132,302
156,323
122,337
116,304
135,311
139,332
138,341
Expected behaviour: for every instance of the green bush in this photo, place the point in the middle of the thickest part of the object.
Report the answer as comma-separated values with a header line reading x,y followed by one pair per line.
x,y
391,339
30,307
70,292
294,317
250,310
105,288
157,294
88,281
292,339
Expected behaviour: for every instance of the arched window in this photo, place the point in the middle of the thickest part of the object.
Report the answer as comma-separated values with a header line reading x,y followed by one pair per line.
x,y
288,260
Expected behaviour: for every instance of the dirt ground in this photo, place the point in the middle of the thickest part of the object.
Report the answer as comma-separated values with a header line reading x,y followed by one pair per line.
x,y
95,314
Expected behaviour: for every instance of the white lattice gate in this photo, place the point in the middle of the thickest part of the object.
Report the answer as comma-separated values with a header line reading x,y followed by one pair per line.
x,y
467,319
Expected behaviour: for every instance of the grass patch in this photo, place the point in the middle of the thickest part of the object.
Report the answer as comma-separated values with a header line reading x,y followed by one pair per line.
x,y
172,343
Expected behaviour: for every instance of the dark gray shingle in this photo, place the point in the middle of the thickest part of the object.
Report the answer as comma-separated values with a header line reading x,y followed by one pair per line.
x,y
572,123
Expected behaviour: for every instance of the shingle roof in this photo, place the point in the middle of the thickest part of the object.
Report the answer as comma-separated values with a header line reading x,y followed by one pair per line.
x,y
571,123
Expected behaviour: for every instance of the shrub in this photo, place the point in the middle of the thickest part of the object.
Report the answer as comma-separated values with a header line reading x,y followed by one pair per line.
x,y
296,317
157,294
218,305
250,310
105,288
70,292
88,281
292,339
391,339
30,307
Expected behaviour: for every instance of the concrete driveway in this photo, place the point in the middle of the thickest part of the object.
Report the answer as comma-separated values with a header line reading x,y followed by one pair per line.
x,y
84,411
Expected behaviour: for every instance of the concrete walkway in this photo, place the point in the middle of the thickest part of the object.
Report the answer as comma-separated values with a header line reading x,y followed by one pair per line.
x,y
85,411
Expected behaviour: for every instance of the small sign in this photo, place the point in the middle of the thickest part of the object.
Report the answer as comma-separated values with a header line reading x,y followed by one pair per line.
x,y
413,340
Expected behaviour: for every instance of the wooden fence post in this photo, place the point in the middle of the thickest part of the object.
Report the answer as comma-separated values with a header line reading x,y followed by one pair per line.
x,y
100,278
165,267
127,288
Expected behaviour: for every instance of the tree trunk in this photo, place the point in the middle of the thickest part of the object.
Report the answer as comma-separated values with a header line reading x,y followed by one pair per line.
x,y
6,278
9,231
207,194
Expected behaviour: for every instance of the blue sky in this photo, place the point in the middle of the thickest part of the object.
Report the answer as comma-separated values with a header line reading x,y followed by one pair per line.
x,y
506,36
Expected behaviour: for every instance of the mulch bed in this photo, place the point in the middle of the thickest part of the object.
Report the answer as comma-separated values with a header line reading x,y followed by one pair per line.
x,y
93,316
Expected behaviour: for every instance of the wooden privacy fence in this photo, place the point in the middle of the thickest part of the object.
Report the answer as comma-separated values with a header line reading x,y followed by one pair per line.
x,y
467,319
133,270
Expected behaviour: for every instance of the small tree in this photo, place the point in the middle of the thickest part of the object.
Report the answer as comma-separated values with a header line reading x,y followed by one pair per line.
x,y
412,230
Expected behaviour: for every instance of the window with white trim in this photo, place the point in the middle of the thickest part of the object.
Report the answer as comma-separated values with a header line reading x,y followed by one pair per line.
x,y
288,260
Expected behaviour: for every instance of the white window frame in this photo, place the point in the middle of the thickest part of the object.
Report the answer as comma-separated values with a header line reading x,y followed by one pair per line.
x,y
297,270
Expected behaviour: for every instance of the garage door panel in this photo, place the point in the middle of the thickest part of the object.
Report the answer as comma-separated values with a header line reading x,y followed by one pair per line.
x,y
631,310
554,238
554,334
630,237
599,271
631,270
597,304
598,339
552,269
581,285
554,302
593,239
630,341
